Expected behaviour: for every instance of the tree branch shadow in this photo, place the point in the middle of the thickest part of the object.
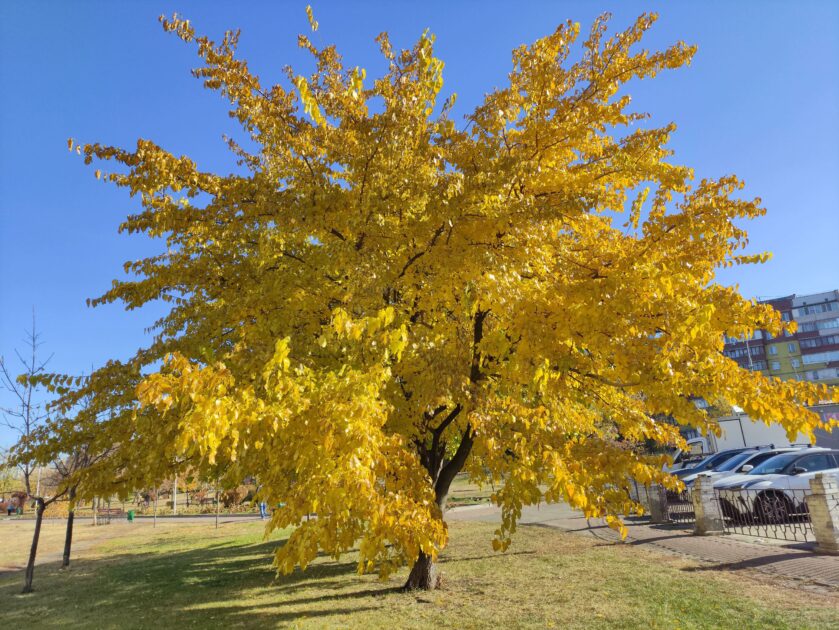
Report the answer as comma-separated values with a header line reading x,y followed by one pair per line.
x,y
214,586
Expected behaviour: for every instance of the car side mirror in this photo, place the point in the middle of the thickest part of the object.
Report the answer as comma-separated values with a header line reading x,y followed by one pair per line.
x,y
797,470
746,468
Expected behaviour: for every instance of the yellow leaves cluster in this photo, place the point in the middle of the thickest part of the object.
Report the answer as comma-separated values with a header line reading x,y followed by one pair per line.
x,y
376,331
311,16
310,104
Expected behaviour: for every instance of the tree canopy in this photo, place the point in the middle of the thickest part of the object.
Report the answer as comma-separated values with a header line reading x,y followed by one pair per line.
x,y
379,297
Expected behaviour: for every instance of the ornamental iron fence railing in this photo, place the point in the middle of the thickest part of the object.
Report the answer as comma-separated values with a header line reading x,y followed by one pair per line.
x,y
680,506
776,513
640,494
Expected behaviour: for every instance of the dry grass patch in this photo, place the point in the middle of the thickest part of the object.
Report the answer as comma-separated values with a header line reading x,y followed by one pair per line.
x,y
16,535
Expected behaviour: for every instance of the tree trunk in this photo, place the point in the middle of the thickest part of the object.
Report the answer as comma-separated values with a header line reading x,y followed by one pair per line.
x,y
27,482
30,566
94,504
218,505
423,576
68,537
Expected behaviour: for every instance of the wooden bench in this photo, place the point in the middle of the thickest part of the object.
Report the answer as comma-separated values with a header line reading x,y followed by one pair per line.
x,y
105,514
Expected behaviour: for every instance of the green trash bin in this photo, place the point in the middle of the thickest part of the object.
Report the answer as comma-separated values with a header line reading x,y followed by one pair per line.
x,y
130,515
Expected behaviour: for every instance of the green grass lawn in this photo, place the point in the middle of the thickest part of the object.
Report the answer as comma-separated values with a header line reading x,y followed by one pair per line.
x,y
197,576
464,492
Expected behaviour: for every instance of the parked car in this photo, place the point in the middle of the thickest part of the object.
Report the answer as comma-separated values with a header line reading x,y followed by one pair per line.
x,y
740,463
737,431
774,491
709,462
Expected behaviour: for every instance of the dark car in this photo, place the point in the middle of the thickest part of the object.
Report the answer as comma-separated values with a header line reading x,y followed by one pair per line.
x,y
710,462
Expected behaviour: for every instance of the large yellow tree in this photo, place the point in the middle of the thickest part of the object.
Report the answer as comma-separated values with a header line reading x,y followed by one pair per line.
x,y
382,297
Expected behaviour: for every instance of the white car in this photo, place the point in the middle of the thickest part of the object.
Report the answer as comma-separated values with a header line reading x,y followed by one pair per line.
x,y
774,491
740,464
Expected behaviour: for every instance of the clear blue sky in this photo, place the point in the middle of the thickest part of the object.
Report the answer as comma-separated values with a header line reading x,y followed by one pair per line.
x,y
760,100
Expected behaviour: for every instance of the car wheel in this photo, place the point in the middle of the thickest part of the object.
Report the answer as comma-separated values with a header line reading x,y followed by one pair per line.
x,y
773,508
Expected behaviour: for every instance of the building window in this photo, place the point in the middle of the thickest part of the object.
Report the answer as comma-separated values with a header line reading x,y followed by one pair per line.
x,y
743,352
820,357
773,350
758,365
824,324
817,342
818,308
776,365
785,316
791,347
796,363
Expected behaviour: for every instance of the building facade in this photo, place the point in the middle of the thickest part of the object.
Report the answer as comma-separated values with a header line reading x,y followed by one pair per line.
x,y
811,353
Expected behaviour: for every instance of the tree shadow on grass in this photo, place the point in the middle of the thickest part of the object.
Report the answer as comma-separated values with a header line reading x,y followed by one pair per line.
x,y
217,585
493,556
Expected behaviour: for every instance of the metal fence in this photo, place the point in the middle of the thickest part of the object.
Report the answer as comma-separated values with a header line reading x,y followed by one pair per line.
x,y
779,514
640,494
680,506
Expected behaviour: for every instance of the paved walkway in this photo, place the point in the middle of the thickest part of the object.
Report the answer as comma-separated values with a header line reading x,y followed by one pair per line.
x,y
794,561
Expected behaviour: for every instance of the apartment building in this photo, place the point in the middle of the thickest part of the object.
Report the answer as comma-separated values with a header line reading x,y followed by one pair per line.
x,y
811,353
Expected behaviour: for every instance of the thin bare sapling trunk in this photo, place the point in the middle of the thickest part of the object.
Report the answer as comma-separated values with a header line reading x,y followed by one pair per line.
x,y
68,536
218,503
33,550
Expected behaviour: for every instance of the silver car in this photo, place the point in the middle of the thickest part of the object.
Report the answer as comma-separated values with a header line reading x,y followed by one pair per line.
x,y
774,491
739,464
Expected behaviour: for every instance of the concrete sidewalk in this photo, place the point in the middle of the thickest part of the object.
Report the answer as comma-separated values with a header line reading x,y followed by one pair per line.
x,y
794,561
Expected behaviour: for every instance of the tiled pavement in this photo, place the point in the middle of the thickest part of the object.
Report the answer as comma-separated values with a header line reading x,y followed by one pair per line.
x,y
795,561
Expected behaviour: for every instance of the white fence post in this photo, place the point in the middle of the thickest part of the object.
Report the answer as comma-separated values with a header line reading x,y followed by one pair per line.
x,y
823,505
706,507
658,505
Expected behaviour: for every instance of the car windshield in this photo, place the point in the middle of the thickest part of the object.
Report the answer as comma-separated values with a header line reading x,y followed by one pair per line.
x,y
774,465
712,461
735,461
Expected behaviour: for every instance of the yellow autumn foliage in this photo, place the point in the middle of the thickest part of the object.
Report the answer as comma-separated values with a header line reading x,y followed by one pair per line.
x,y
382,297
